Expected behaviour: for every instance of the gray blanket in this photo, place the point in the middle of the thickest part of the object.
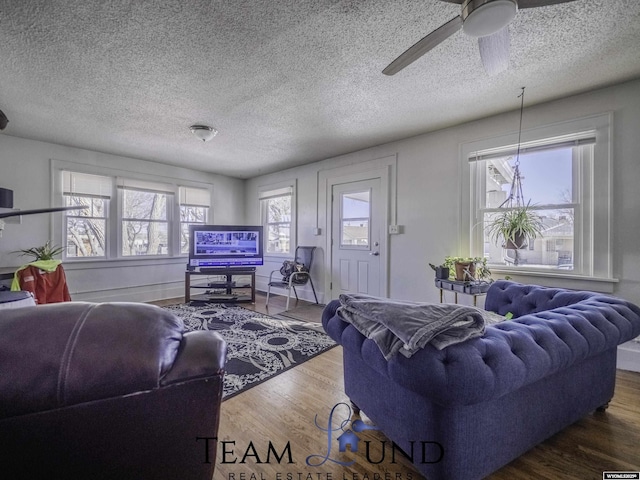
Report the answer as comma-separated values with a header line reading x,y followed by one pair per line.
x,y
406,327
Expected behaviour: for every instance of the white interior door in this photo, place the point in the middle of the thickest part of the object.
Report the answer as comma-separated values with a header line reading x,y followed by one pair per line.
x,y
357,238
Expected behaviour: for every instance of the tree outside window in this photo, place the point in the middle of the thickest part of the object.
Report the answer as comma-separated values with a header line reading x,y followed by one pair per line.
x,y
86,229
277,216
145,225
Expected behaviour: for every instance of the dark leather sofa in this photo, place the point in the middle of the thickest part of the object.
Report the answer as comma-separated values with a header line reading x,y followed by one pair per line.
x,y
107,391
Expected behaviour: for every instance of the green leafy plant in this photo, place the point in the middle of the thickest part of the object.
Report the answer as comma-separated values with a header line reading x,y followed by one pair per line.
x,y
45,252
442,271
482,271
515,226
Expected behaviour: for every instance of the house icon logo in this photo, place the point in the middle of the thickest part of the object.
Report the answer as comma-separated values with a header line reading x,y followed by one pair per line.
x,y
349,439
340,424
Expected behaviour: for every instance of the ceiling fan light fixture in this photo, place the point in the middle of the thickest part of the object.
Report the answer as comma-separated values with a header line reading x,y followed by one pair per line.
x,y
3,120
6,198
485,17
203,132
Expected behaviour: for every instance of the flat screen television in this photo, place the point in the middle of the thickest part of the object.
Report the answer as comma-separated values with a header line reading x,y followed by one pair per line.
x,y
225,246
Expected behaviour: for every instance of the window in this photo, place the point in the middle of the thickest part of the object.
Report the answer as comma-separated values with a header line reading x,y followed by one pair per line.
x,y
566,179
355,225
277,208
145,217
124,217
86,229
194,209
548,179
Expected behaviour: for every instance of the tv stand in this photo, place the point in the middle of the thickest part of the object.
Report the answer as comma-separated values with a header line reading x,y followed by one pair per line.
x,y
230,290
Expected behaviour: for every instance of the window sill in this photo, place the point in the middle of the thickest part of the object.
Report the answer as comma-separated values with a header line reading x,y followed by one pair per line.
x,y
559,280
123,262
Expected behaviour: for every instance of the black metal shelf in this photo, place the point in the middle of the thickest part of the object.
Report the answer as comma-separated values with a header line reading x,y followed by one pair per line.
x,y
232,290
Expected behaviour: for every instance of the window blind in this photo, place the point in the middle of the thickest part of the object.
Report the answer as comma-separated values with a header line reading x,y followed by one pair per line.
x,y
569,141
86,185
194,197
145,186
278,192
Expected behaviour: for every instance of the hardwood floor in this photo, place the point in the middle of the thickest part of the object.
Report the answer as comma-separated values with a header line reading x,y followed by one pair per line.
x,y
275,420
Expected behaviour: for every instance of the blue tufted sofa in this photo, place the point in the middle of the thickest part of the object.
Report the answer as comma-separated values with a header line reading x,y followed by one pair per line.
x,y
467,410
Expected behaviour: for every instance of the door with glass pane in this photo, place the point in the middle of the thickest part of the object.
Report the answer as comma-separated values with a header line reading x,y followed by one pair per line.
x,y
356,238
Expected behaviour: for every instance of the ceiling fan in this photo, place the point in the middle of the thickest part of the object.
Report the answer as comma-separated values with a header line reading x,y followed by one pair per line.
x,y
6,195
19,213
488,20
7,211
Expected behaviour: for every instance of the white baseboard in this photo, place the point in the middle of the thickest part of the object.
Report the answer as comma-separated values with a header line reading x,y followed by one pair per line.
x,y
304,293
144,293
629,356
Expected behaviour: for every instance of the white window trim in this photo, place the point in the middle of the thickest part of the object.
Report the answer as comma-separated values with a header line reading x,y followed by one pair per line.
x,y
113,254
601,200
274,189
170,221
176,234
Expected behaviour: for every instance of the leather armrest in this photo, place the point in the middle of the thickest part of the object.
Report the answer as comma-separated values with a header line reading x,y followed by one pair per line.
x,y
201,354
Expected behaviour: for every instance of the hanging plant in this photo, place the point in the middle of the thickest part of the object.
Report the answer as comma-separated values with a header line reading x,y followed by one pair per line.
x,y
517,223
515,227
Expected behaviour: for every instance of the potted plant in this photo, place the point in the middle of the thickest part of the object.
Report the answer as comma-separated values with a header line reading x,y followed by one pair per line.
x,y
468,268
515,227
442,272
45,252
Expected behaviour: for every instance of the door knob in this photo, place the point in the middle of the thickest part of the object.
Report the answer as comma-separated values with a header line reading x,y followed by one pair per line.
x,y
375,254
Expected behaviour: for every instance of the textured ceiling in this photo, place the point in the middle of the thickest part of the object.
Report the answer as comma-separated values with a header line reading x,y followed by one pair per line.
x,y
285,82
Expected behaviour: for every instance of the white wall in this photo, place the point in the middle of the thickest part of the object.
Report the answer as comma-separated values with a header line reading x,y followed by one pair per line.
x,y
427,201
428,196
25,168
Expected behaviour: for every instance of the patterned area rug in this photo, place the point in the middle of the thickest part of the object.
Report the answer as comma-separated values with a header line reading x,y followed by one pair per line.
x,y
306,313
259,347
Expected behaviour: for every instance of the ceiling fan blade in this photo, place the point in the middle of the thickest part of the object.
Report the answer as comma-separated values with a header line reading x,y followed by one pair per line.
x,y
494,51
17,213
423,46
539,3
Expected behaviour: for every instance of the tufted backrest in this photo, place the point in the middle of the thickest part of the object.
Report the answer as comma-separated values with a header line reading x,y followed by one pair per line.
x,y
554,329
505,296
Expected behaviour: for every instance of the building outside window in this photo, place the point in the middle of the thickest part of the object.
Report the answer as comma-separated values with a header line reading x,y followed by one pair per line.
x,y
278,213
355,221
566,180
548,184
194,209
86,229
